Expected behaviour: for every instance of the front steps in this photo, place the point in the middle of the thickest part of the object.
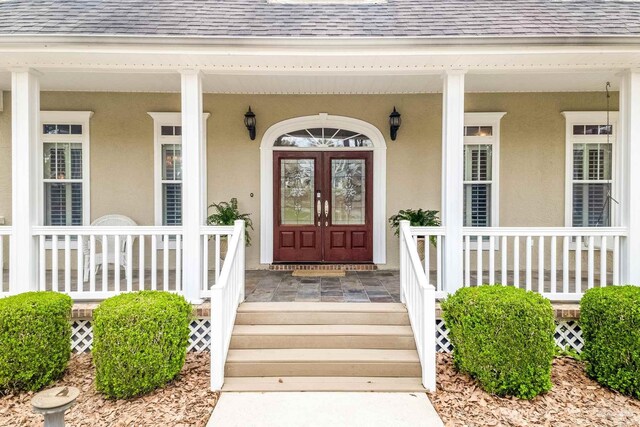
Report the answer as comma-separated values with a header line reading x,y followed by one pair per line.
x,y
322,347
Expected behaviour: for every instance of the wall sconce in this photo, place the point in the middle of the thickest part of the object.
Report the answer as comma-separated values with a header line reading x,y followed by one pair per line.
x,y
394,123
250,123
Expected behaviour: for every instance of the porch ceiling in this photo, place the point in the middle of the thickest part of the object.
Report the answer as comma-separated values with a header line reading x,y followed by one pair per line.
x,y
315,83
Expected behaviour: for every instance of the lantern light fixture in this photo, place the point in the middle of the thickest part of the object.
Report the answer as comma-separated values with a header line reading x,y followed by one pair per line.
x,y
250,123
394,123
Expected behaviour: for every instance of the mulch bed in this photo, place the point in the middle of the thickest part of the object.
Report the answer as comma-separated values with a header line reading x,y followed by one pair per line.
x,y
186,401
574,400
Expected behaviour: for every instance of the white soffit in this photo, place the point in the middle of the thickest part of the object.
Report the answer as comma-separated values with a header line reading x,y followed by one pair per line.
x,y
321,84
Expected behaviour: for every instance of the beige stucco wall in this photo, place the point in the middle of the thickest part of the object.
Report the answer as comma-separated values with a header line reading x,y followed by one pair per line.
x,y
532,149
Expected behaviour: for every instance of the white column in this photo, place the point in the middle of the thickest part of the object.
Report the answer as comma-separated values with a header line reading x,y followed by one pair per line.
x,y
628,175
193,183
25,163
452,177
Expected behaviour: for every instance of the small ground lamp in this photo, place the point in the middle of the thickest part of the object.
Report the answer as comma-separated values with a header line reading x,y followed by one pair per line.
x,y
394,123
250,123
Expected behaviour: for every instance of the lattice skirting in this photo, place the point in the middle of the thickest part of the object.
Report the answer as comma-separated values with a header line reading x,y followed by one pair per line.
x,y
568,336
82,335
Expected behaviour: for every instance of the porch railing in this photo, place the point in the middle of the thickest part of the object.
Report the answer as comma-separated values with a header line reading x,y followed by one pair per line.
x,y
215,246
430,241
109,260
226,295
5,244
559,263
419,297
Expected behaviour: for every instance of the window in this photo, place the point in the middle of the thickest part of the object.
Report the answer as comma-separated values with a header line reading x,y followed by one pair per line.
x,y
65,174
323,138
168,167
589,168
481,155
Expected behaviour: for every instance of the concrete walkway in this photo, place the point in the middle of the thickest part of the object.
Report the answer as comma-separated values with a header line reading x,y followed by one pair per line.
x,y
324,409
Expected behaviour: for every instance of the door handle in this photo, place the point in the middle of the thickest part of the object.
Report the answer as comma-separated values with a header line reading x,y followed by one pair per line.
x,y
326,209
319,208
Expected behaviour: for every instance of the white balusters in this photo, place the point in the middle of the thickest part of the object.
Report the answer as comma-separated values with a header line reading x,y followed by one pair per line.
x,y
479,266
165,263
154,262
504,257
92,263
116,261
541,264
129,266
553,264
54,264
516,261
105,262
603,261
101,249
467,261
565,265
590,263
67,264
42,273
528,267
587,256
141,262
492,260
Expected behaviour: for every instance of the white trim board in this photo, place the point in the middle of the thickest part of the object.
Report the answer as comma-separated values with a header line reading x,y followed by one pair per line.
x,y
379,176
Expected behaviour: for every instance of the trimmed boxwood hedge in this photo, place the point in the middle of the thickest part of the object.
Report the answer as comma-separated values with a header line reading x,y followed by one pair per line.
x,y
610,322
35,339
503,337
139,342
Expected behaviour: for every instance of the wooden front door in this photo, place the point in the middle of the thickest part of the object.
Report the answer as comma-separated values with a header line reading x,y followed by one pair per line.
x,y
323,206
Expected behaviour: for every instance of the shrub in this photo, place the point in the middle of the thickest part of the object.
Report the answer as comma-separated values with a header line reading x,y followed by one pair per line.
x,y
610,322
139,342
35,339
503,337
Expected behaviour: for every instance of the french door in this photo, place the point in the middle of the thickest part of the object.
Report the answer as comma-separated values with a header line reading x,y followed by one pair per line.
x,y
323,206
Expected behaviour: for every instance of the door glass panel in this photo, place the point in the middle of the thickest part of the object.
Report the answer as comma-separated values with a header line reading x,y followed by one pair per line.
x,y
297,177
348,191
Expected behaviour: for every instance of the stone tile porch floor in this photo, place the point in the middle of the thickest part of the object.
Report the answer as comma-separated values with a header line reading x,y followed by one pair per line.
x,y
281,286
355,286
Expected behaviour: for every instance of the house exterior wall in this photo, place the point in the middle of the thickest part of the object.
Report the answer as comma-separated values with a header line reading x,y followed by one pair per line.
x,y
532,149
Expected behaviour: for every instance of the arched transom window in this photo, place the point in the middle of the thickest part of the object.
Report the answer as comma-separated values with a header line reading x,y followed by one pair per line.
x,y
323,138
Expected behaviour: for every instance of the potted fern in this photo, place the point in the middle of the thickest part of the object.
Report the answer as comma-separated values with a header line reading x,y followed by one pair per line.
x,y
417,218
226,213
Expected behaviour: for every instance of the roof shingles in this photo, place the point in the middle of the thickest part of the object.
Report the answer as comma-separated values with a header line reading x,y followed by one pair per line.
x,y
258,18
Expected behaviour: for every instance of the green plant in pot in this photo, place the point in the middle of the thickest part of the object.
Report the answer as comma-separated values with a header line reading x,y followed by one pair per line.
x,y
226,213
417,218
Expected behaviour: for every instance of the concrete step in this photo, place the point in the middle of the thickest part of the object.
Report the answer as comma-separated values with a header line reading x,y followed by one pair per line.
x,y
322,362
293,384
323,336
321,314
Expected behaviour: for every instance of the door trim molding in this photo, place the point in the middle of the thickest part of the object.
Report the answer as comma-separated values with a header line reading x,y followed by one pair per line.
x,y
379,176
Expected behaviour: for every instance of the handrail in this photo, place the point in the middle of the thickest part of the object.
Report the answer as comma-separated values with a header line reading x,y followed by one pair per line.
x,y
544,231
226,295
106,230
212,230
432,231
419,297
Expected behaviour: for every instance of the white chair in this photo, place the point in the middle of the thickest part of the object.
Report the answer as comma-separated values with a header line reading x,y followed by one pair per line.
x,y
121,252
